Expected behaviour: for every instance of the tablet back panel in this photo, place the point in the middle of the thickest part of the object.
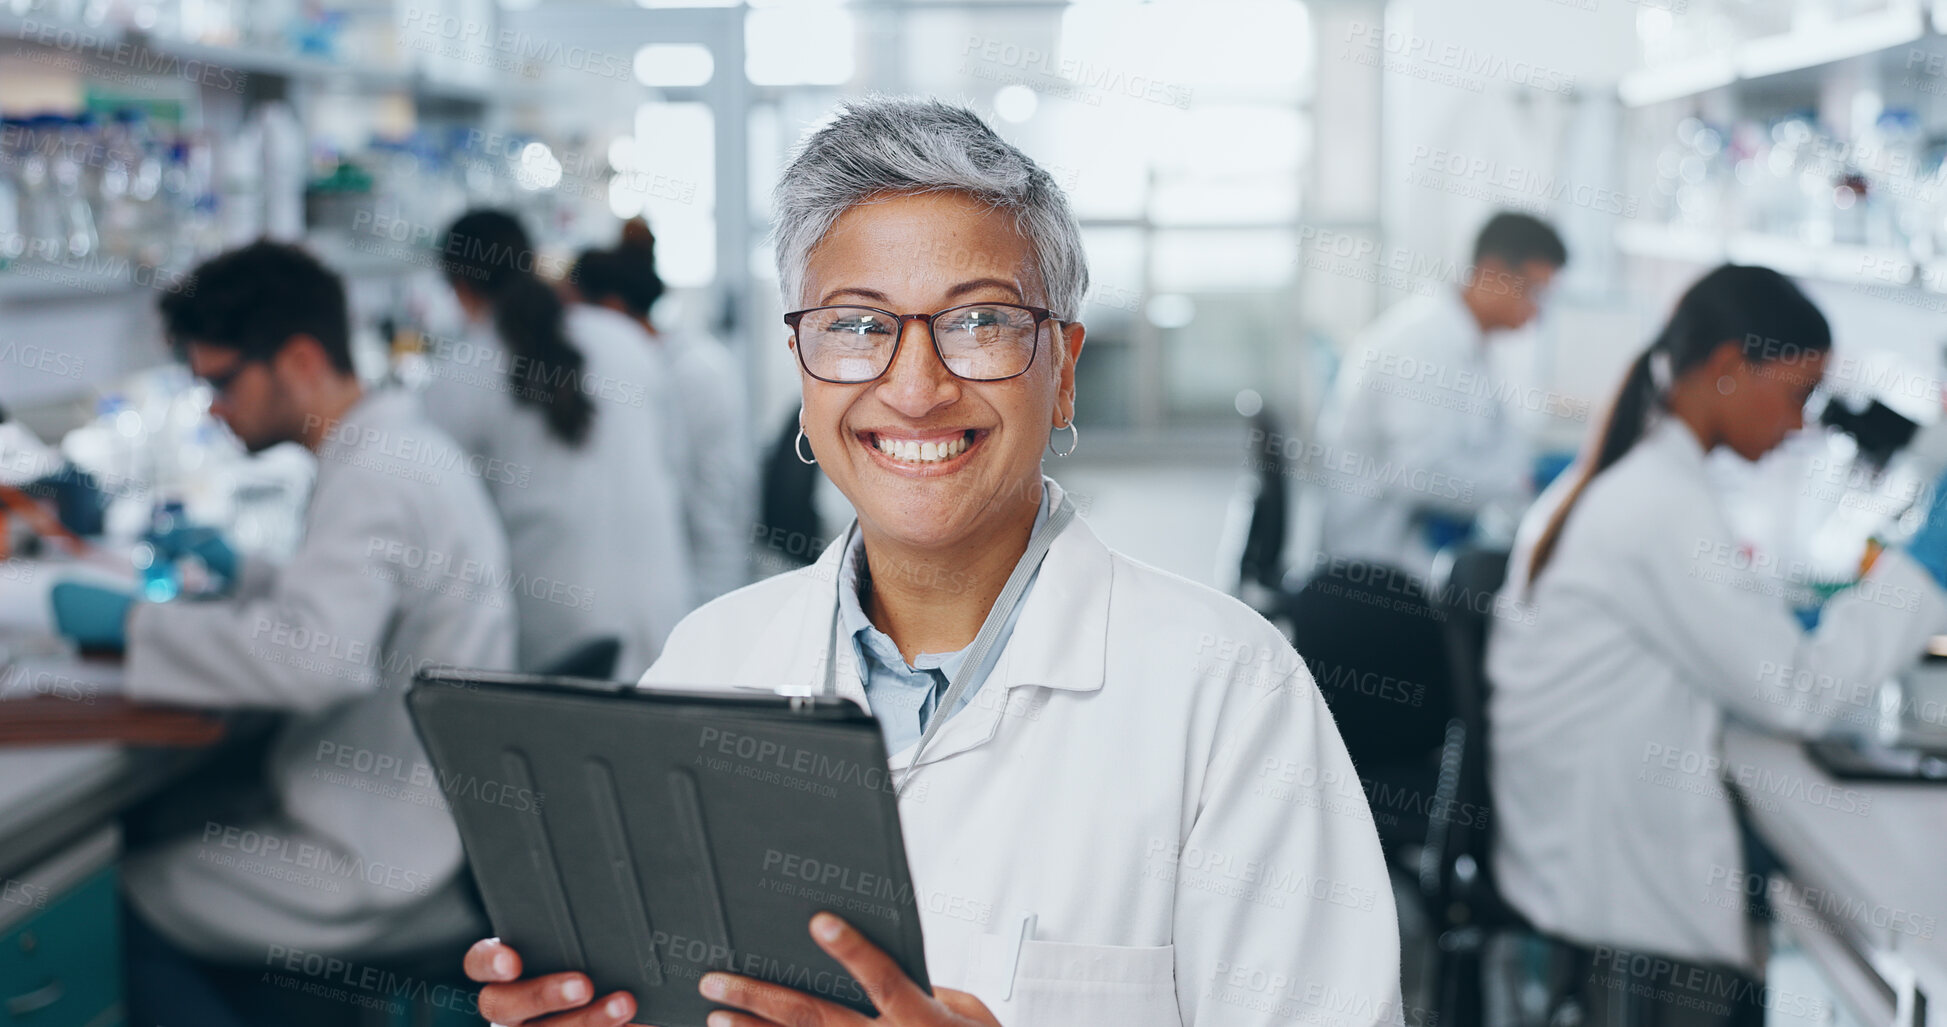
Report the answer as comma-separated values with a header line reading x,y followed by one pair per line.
x,y
648,838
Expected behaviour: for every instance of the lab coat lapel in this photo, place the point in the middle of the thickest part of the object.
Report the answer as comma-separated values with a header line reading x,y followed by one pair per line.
x,y
794,659
1060,642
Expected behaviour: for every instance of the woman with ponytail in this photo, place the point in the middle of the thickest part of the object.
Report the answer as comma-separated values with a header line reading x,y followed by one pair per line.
x,y
1640,625
561,420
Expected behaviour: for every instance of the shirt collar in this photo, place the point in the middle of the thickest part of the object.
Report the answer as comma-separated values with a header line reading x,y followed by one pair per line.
x,y
856,626
1061,640
1462,316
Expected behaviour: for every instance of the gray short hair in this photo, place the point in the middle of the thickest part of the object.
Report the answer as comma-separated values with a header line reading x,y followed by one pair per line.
x,y
885,144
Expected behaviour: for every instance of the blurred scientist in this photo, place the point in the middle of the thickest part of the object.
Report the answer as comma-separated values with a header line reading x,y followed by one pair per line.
x,y
1017,663
330,856
1641,625
1417,441
565,410
718,466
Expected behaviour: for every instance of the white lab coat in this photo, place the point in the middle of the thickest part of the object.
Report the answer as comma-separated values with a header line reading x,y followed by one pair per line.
x,y
1612,677
718,466
401,568
1414,426
1149,772
595,531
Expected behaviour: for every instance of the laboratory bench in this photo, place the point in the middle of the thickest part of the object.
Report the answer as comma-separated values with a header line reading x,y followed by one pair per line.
x,y
1866,875
61,807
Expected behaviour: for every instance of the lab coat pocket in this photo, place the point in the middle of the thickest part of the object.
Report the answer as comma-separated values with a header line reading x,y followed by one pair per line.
x,y
1057,983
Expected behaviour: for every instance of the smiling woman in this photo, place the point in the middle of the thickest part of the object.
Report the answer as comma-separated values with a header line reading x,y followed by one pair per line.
x,y
1110,815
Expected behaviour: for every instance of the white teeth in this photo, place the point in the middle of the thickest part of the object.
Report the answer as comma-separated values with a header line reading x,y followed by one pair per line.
x,y
909,451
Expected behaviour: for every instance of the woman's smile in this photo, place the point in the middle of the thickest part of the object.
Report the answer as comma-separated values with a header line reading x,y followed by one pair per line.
x,y
922,454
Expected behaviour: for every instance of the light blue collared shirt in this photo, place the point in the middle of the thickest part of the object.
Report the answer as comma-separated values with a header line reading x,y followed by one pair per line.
x,y
904,696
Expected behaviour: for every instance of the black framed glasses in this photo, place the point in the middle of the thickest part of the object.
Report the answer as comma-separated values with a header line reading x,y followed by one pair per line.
x,y
980,342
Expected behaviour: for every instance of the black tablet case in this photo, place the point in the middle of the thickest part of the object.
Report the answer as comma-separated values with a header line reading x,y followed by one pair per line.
x,y
649,837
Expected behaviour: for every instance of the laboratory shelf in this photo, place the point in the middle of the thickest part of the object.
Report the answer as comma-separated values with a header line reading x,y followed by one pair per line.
x,y
53,283
1803,49
105,43
44,283
1832,262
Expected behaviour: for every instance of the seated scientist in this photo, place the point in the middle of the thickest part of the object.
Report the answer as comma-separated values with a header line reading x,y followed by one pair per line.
x,y
1140,764
342,848
1642,625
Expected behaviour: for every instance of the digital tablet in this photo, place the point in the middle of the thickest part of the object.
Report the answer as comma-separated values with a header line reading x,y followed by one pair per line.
x,y
646,838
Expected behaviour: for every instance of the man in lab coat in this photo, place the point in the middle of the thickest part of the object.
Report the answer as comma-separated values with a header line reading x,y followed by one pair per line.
x,y
1415,440
351,856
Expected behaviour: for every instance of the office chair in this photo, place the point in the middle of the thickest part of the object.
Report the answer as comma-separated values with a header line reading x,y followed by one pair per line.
x,y
1376,649
1456,871
1251,545
787,518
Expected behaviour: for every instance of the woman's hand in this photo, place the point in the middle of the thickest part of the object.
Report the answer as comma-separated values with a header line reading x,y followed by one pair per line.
x,y
567,999
557,1000
901,1003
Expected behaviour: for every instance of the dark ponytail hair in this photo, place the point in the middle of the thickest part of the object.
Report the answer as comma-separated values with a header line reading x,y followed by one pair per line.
x,y
488,252
1755,307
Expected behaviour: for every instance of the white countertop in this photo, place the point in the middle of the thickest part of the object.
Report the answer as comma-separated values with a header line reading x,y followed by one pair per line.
x,y
1877,849
36,779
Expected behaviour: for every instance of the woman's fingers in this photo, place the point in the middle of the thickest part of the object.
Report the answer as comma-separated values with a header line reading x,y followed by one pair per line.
x,y
507,999
732,1018
775,1003
894,993
490,961
527,1001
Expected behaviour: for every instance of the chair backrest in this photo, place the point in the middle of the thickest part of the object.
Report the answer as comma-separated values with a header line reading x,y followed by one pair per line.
x,y
1375,646
594,659
787,519
1459,843
1262,560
